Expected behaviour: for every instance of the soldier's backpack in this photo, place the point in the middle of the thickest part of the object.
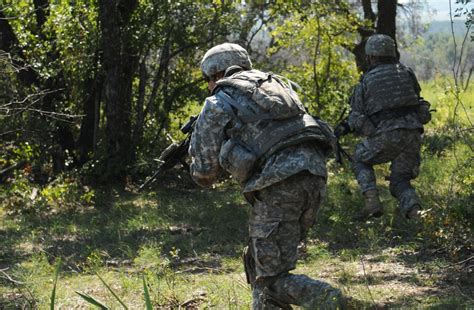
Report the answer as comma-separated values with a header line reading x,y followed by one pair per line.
x,y
275,102
270,92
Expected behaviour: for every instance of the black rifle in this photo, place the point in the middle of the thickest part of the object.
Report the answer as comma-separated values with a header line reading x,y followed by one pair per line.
x,y
340,152
175,153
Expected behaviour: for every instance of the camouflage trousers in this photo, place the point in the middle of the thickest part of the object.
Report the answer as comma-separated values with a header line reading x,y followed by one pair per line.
x,y
401,147
281,216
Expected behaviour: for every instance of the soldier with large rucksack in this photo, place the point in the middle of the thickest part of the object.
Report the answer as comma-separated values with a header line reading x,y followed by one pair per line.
x,y
387,110
254,127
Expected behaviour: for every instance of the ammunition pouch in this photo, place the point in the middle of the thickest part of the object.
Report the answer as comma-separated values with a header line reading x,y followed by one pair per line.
x,y
249,265
237,159
424,112
368,126
378,117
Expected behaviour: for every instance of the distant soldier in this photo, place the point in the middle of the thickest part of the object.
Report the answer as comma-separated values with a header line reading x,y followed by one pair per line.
x,y
386,109
254,127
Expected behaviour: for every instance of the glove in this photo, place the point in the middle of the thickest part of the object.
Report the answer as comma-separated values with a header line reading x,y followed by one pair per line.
x,y
342,129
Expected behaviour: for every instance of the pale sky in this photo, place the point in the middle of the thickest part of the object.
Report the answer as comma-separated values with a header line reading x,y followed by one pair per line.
x,y
442,8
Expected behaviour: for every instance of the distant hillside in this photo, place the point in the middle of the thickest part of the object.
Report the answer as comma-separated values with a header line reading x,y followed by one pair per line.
x,y
435,54
444,26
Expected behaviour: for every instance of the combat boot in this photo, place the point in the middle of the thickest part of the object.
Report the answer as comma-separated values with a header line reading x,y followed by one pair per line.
x,y
414,213
373,207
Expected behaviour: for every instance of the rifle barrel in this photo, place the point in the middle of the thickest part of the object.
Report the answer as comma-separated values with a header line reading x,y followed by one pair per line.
x,y
152,178
174,153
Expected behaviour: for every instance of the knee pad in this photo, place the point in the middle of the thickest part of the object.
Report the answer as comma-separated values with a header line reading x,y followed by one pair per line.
x,y
397,188
271,298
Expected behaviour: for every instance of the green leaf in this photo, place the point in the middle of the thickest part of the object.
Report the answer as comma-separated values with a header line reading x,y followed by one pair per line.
x,y
148,304
113,293
92,301
56,276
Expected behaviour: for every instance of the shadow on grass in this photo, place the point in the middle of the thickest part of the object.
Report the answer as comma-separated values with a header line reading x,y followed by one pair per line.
x,y
195,222
432,300
10,240
190,220
16,301
410,243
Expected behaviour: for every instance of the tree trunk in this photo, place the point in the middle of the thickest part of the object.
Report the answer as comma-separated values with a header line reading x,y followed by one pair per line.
x,y
365,33
386,22
118,66
91,109
29,77
86,141
51,102
387,12
140,122
368,11
9,44
41,12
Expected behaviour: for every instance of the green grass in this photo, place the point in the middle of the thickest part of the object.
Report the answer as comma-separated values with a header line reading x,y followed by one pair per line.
x,y
187,241
150,233
188,248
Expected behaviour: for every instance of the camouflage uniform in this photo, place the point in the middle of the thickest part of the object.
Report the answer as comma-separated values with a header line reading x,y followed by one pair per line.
x,y
281,217
384,90
285,191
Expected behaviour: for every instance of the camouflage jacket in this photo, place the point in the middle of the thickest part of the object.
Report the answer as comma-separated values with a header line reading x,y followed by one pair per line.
x,y
382,88
210,133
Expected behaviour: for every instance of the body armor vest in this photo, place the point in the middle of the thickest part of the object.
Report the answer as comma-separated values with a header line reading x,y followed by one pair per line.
x,y
269,118
389,87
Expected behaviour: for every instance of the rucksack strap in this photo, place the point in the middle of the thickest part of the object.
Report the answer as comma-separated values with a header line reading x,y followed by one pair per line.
x,y
245,115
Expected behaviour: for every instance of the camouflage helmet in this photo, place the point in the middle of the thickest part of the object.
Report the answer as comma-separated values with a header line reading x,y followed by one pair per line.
x,y
380,45
222,56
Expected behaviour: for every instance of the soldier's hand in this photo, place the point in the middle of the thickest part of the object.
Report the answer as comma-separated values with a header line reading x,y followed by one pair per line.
x,y
342,129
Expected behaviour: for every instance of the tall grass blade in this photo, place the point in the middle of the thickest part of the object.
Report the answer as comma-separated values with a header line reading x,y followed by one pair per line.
x,y
148,304
112,292
92,300
56,276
